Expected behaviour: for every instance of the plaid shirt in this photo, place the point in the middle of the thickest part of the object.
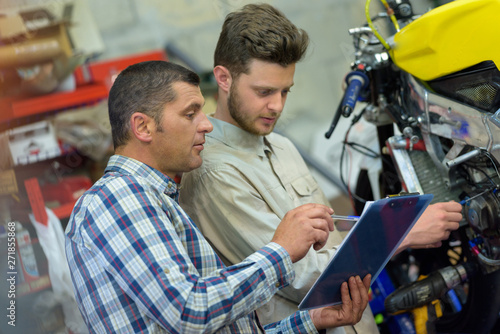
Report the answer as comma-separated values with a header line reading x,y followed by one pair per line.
x,y
139,264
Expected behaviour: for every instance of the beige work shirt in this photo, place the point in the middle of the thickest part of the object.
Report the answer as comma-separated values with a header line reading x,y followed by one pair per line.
x,y
240,194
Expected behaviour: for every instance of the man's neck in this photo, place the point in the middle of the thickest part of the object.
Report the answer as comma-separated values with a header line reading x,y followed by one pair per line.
x,y
222,113
136,151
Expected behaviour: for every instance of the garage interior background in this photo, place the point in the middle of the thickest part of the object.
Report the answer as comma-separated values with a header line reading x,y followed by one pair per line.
x,y
112,29
116,28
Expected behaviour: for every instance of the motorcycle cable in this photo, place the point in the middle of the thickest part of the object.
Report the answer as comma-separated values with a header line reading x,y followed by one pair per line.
x,y
363,150
367,152
475,167
488,155
360,149
345,143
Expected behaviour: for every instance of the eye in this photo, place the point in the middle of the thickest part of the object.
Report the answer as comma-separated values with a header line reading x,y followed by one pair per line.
x,y
190,114
264,92
285,92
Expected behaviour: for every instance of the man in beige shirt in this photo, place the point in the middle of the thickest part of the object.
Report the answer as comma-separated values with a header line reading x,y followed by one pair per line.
x,y
251,177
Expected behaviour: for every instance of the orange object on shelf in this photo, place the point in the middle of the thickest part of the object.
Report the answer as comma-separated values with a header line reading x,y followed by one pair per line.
x,y
64,211
36,200
65,193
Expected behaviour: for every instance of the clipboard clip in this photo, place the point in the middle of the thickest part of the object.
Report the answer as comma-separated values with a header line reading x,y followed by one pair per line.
x,y
403,193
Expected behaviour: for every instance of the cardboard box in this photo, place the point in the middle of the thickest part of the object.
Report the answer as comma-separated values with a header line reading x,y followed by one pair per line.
x,y
8,183
33,142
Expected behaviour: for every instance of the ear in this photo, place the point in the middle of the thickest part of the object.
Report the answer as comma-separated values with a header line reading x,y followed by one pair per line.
x,y
223,77
141,126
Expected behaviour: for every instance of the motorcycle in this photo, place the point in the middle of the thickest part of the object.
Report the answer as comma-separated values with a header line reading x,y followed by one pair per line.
x,y
433,92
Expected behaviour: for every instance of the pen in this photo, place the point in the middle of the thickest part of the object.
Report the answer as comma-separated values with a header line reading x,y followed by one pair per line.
x,y
351,218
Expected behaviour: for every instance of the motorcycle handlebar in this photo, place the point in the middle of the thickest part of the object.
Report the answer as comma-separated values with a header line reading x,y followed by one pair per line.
x,y
356,82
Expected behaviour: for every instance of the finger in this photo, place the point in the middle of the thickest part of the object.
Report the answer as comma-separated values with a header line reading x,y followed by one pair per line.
x,y
452,226
363,293
330,225
367,281
450,205
308,210
434,245
320,243
344,294
317,246
346,298
321,226
454,216
359,299
363,287
454,206
320,211
320,236
354,290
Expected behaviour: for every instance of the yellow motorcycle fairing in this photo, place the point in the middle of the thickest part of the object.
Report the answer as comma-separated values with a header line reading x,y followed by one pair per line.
x,y
449,38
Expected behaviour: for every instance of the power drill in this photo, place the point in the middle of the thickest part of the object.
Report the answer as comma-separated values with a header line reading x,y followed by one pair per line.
x,y
424,291
421,297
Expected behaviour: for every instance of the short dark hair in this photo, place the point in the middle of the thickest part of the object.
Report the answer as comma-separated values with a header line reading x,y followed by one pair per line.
x,y
258,31
143,87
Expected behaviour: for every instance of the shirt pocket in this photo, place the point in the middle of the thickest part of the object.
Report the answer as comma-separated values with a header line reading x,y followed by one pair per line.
x,y
305,187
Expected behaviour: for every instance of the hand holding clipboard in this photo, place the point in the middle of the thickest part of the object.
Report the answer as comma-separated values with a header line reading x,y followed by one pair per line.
x,y
368,246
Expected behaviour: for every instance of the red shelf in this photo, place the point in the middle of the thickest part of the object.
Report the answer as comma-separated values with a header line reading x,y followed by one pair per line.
x,y
13,109
101,71
64,211
92,85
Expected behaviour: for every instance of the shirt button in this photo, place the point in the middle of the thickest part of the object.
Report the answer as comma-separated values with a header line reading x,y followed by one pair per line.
x,y
166,271
278,285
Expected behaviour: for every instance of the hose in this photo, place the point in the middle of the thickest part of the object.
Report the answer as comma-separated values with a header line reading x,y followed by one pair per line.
x,y
390,12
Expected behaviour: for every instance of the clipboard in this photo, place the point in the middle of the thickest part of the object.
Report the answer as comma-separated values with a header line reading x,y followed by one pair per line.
x,y
368,246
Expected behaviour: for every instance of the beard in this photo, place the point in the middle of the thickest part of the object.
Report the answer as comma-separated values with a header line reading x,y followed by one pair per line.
x,y
245,121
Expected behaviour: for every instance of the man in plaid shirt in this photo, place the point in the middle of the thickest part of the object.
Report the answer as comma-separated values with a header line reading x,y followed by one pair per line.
x,y
137,261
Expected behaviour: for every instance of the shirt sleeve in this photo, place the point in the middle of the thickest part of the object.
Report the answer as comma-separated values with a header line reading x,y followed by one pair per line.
x,y
299,322
237,220
157,259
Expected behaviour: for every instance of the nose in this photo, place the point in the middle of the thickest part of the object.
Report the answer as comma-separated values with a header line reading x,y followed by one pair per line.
x,y
277,102
205,125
